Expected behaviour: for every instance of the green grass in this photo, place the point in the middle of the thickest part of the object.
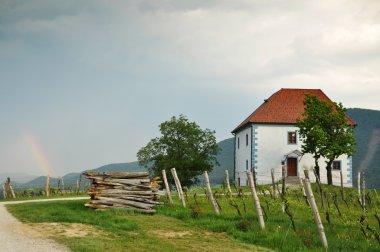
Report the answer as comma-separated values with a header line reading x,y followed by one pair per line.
x,y
54,196
138,232
125,230
343,235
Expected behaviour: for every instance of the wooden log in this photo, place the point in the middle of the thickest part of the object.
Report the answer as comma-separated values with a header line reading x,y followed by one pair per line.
x,y
303,191
228,182
363,189
107,200
210,195
317,217
4,192
341,186
103,207
320,188
47,185
273,184
179,187
283,181
129,181
118,174
125,192
256,201
359,184
79,184
167,188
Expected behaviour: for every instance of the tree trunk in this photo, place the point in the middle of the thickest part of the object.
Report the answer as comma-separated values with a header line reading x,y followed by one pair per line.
x,y
316,158
329,173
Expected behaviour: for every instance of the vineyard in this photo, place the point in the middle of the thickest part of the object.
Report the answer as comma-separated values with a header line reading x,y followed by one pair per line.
x,y
349,224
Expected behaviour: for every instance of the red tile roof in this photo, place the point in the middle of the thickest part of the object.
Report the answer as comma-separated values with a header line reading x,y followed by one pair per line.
x,y
284,107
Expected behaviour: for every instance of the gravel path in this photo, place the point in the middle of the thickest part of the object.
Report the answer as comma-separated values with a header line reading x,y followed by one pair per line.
x,y
16,236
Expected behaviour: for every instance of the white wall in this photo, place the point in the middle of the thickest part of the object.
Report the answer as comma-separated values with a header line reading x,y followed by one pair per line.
x,y
270,144
242,154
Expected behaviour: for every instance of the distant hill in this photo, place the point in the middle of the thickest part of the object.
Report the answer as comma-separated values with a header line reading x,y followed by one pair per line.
x,y
368,121
16,178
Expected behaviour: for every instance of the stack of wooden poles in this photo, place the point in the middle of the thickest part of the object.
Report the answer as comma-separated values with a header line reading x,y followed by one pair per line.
x,y
127,190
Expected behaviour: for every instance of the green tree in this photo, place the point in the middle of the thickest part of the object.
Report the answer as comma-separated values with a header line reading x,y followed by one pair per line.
x,y
340,138
325,132
311,131
183,145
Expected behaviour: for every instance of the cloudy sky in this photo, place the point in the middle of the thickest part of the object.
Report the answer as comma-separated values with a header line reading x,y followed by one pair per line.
x,y
86,83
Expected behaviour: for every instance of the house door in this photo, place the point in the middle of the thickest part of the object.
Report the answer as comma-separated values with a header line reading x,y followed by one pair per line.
x,y
292,166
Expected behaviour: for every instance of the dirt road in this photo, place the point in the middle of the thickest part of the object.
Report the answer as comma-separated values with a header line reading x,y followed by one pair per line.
x,y
18,237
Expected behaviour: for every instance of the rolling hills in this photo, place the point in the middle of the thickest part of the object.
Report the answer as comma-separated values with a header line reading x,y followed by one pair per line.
x,y
368,124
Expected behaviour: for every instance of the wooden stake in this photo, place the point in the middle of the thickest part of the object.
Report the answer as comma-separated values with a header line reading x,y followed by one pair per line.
x,y
317,217
228,182
210,195
363,189
79,184
256,201
359,183
303,192
273,184
179,187
167,188
4,193
341,185
283,181
47,186
320,188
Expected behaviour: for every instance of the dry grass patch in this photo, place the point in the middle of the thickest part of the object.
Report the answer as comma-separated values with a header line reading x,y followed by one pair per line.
x,y
52,229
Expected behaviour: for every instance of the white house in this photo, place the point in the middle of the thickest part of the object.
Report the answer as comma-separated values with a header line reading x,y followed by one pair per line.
x,y
268,138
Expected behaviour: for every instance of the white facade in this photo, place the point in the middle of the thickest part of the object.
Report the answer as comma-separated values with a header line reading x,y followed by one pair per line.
x,y
268,148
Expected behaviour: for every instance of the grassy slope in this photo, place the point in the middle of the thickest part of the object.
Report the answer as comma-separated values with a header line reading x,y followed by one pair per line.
x,y
126,231
138,232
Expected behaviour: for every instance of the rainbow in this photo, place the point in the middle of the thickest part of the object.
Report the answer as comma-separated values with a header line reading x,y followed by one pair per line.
x,y
39,155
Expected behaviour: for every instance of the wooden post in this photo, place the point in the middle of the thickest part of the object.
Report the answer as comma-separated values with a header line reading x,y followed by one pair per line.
x,y
47,186
363,189
179,187
254,177
317,217
79,184
273,184
256,201
359,183
210,195
341,185
167,188
228,182
320,188
283,181
306,172
4,193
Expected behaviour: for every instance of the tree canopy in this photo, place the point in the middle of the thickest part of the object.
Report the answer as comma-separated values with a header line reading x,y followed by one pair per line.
x,y
325,132
183,145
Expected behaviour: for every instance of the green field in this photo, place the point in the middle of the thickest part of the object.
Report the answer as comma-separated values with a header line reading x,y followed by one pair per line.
x,y
197,228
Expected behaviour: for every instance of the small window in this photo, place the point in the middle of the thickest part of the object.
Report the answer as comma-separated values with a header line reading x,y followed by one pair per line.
x,y
246,165
336,165
246,139
238,143
292,137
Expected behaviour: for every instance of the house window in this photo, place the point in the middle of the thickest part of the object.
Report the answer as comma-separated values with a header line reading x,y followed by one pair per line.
x,y
292,137
246,165
238,143
246,139
336,165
